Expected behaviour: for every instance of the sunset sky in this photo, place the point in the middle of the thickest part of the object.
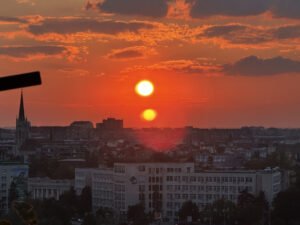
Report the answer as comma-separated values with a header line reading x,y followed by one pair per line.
x,y
214,63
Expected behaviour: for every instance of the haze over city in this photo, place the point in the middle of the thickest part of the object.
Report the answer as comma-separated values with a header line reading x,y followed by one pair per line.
x,y
212,64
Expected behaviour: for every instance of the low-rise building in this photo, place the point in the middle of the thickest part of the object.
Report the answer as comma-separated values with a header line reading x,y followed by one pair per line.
x,y
46,188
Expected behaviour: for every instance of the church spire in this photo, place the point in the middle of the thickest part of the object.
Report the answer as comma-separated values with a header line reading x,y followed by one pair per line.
x,y
21,111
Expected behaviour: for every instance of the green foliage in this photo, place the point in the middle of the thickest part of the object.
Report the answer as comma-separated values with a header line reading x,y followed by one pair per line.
x,y
220,212
251,210
105,216
85,201
89,219
51,212
25,212
286,207
5,222
136,215
69,200
189,209
13,194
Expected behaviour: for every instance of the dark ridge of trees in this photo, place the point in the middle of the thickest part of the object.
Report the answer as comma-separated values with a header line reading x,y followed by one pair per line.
x,y
189,209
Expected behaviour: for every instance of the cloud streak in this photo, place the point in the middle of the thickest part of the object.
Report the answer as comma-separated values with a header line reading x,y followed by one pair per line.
x,y
151,8
239,8
6,19
25,53
254,66
78,25
130,53
249,35
251,66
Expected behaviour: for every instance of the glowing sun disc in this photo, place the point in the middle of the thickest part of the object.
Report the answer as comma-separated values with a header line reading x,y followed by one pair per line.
x,y
149,115
144,88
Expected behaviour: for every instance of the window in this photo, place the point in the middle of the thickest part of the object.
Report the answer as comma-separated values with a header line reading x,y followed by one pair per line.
x,y
193,179
177,196
141,168
185,196
169,188
141,187
193,188
185,187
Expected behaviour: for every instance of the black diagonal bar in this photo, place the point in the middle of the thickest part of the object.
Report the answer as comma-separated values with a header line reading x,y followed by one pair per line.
x,y
20,81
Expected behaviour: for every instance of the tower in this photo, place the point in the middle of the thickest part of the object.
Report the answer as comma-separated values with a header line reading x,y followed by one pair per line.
x,y
22,126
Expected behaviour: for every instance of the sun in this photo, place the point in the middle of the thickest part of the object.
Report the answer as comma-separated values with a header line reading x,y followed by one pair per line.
x,y
149,115
144,88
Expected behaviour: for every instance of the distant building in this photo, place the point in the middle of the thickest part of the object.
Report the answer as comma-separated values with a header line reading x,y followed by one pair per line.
x,y
22,126
46,188
13,182
7,148
80,130
82,124
110,124
164,187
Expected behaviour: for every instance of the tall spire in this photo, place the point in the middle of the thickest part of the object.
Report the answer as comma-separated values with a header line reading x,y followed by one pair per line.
x,y
22,111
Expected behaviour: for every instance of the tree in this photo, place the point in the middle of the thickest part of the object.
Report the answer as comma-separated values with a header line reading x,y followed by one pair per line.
x,y
89,219
189,209
251,209
85,201
136,214
5,222
13,194
69,201
105,216
25,212
51,212
220,212
286,206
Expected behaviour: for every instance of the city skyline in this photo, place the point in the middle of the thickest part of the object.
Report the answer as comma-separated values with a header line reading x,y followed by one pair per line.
x,y
213,65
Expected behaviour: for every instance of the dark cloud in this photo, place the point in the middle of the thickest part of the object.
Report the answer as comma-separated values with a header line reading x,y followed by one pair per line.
x,y
286,9
11,19
69,26
182,66
287,32
25,51
223,30
149,8
247,35
278,8
206,8
254,66
237,34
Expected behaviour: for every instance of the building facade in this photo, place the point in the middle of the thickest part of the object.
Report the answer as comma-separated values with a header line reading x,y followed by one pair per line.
x,y
13,184
164,187
46,188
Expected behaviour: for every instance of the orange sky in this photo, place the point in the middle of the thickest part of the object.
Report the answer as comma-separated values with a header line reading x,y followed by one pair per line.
x,y
212,64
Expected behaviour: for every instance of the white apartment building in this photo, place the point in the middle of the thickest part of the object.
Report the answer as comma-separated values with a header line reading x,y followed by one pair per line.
x,y
12,173
46,188
164,187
